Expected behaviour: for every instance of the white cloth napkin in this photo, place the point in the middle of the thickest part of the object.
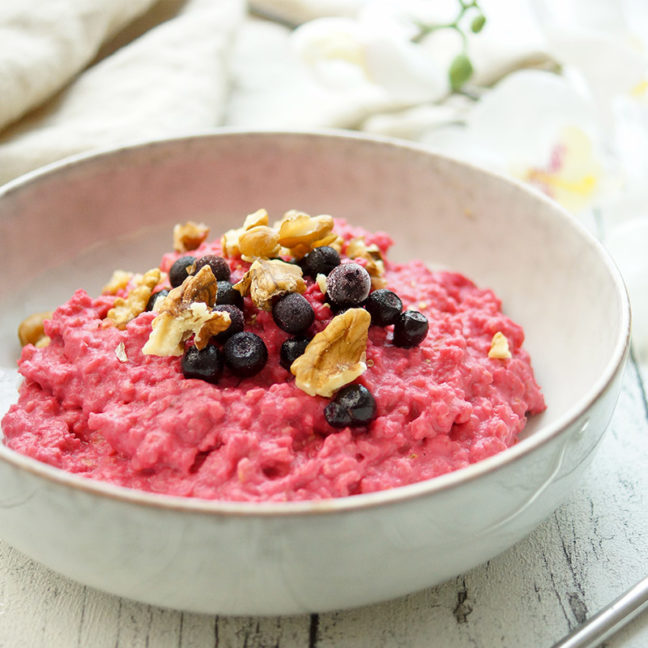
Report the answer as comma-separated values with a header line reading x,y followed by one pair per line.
x,y
165,73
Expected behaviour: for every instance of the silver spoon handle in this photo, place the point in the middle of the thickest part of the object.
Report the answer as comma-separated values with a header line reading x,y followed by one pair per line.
x,y
606,622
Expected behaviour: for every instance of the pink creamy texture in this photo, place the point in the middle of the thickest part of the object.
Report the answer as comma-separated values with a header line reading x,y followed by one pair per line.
x,y
139,423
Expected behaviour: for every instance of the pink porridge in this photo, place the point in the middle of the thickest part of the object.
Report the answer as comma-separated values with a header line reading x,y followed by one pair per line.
x,y
120,398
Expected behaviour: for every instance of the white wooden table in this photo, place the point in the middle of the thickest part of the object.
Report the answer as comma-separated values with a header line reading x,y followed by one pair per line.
x,y
581,558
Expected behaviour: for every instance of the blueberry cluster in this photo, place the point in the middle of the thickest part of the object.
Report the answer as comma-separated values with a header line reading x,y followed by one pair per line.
x,y
242,352
348,285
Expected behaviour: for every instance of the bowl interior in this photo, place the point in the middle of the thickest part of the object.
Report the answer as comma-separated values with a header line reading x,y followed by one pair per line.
x,y
73,226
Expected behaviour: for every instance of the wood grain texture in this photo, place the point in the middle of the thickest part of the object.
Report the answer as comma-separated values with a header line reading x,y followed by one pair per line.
x,y
586,554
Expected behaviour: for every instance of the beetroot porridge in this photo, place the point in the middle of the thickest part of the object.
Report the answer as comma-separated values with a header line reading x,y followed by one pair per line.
x,y
291,361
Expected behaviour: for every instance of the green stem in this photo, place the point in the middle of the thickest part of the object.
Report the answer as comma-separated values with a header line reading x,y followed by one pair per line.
x,y
426,29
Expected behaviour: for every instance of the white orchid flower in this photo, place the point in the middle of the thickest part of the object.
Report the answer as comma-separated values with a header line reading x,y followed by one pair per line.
x,y
348,53
605,42
539,128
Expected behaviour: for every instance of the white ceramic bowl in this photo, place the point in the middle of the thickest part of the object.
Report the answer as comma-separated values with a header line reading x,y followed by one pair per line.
x,y
71,224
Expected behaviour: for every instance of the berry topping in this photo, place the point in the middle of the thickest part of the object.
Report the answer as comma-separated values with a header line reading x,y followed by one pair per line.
x,y
160,294
245,354
237,321
206,364
320,261
410,329
219,266
348,284
353,405
384,306
293,313
227,294
291,349
178,271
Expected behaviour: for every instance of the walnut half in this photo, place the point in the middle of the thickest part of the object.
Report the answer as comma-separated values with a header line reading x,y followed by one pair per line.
x,y
186,310
335,356
269,278
301,233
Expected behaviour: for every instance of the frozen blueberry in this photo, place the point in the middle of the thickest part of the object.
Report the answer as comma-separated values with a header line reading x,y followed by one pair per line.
x,y
219,266
178,271
353,405
245,354
291,349
237,321
227,294
293,313
348,284
206,364
384,306
320,261
410,329
160,294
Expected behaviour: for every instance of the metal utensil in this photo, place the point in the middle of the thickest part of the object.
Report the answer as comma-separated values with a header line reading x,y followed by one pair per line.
x,y
610,619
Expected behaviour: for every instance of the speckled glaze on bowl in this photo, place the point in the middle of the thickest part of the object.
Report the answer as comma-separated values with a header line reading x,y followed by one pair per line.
x,y
72,223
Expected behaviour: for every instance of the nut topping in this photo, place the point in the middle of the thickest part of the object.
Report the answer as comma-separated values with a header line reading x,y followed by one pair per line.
x,y
170,332
259,217
335,356
201,287
259,241
189,236
30,330
499,347
124,310
230,241
357,248
117,282
267,279
320,279
300,233
186,310
120,352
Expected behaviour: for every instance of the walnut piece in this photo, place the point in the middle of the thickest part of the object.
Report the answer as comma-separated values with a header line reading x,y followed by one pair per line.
x,y
267,279
230,241
117,282
189,236
186,310
300,233
357,248
30,330
499,347
260,241
170,331
259,217
124,310
321,283
201,287
335,356
120,352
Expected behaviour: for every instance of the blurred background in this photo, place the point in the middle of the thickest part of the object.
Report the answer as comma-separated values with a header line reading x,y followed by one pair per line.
x,y
551,92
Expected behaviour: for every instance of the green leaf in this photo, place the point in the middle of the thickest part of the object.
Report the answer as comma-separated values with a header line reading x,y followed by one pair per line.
x,y
460,71
477,23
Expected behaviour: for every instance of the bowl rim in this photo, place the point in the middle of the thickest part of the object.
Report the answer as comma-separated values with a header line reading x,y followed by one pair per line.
x,y
395,495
